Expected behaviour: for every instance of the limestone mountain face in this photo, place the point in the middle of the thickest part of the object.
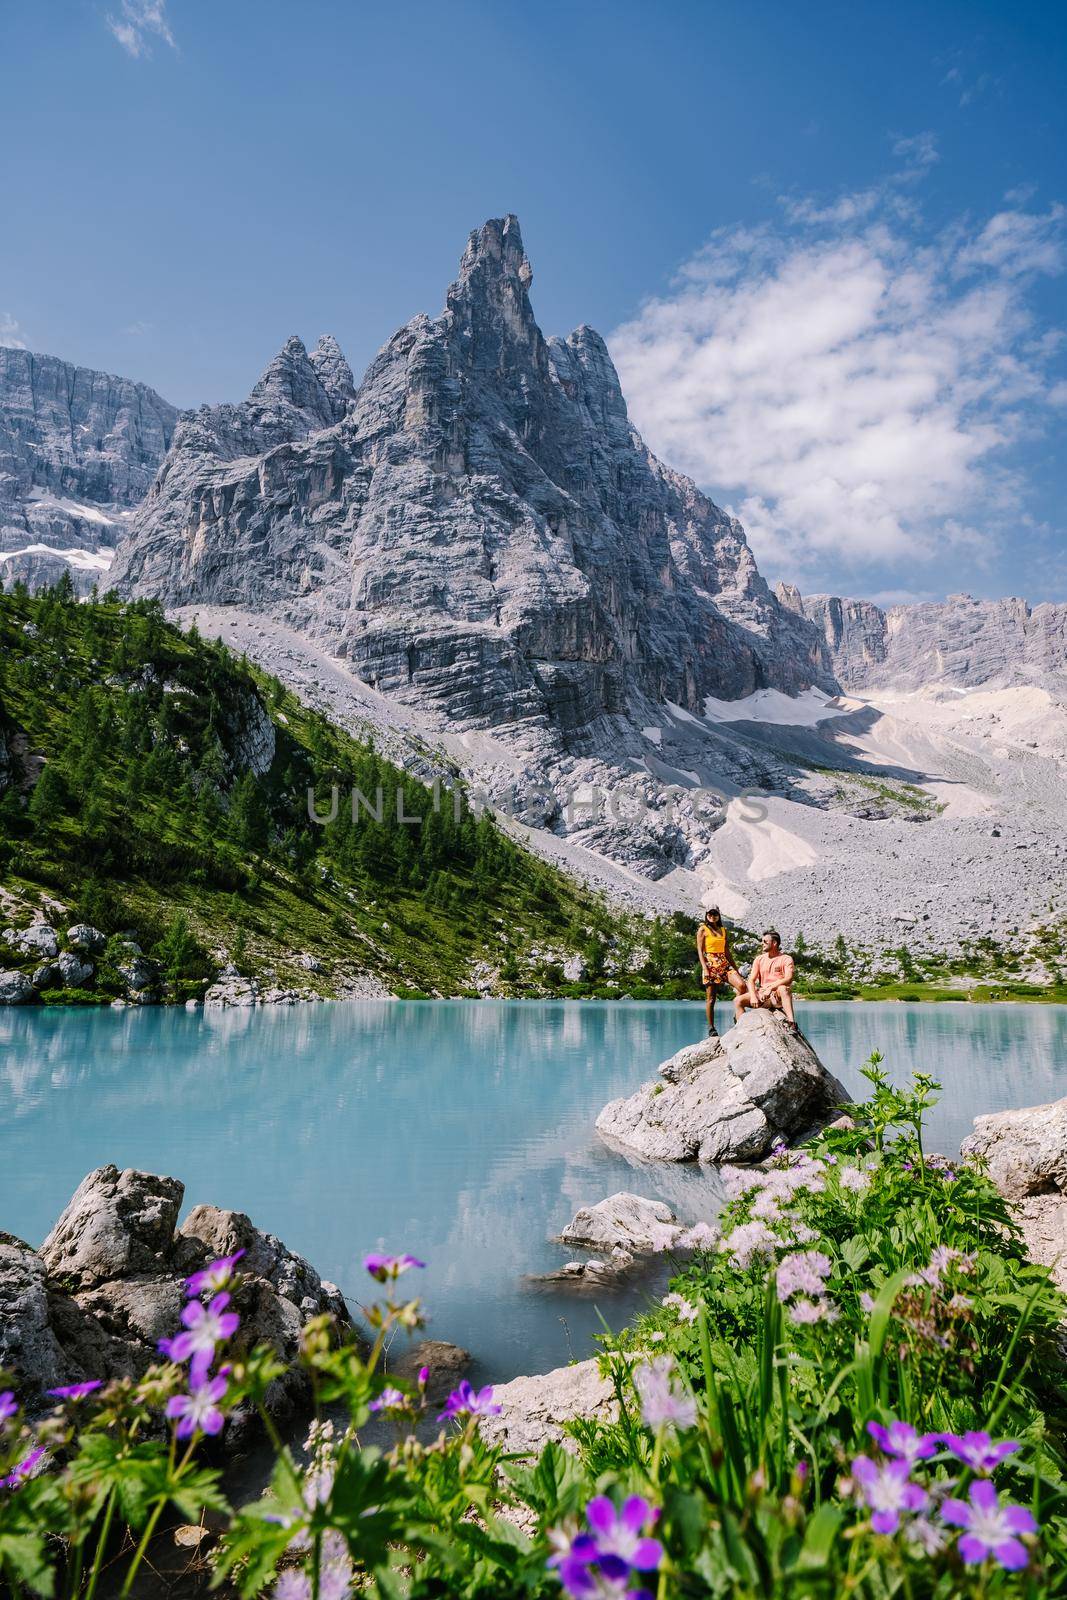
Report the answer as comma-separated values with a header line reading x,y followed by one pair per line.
x,y
958,642
478,528
78,449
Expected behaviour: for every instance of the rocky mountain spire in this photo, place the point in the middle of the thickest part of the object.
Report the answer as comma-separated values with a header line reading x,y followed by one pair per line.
x,y
291,383
482,532
333,371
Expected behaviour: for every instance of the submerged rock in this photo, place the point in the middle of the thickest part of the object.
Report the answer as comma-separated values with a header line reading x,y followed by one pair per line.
x,y
109,1282
727,1099
447,1364
1026,1152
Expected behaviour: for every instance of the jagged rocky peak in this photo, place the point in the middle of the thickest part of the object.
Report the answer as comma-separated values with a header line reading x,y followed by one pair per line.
x,y
959,641
333,371
292,383
479,527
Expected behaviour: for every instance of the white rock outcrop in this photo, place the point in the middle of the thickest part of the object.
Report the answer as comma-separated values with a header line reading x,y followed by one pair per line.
x,y
533,1410
1026,1152
727,1099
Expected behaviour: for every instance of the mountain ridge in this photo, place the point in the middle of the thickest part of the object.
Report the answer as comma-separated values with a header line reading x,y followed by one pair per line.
x,y
959,642
78,450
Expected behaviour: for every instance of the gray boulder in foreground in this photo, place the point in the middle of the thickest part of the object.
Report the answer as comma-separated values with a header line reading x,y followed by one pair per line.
x,y
727,1099
1026,1152
109,1282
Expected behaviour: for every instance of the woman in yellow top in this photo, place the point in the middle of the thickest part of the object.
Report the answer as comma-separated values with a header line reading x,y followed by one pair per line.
x,y
716,963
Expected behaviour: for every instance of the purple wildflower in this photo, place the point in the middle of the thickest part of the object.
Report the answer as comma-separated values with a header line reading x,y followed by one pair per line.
x,y
424,1377
992,1529
662,1401
902,1440
212,1278
292,1585
465,1401
198,1409
390,1399
573,1556
18,1474
977,1450
620,1534
8,1406
204,1328
385,1267
76,1391
888,1490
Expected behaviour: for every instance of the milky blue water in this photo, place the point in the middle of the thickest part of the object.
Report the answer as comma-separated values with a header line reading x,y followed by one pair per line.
x,y
460,1130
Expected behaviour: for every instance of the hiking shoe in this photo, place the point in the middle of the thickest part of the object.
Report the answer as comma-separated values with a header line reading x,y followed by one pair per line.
x,y
713,1032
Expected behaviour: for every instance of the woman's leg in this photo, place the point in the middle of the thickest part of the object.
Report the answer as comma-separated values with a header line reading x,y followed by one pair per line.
x,y
711,990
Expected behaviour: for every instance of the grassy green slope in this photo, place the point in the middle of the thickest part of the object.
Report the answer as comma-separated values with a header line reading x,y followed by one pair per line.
x,y
126,798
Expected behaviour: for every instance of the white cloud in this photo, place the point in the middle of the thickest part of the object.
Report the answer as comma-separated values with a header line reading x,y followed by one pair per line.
x,y
10,332
850,383
138,23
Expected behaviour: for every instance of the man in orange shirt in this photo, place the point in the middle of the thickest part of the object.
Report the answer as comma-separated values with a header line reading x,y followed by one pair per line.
x,y
770,981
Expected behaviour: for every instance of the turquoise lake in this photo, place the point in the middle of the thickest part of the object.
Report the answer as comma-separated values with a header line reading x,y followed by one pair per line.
x,y
459,1130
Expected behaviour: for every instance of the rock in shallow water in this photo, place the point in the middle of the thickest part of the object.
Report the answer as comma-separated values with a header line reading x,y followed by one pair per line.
x,y
726,1099
628,1220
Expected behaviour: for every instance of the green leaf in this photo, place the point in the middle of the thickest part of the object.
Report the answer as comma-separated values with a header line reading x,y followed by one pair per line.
x,y
26,1555
819,1537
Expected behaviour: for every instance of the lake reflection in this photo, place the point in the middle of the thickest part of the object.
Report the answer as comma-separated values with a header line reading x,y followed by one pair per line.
x,y
461,1130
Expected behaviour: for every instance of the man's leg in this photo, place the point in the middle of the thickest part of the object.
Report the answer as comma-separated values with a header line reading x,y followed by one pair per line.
x,y
785,1000
744,997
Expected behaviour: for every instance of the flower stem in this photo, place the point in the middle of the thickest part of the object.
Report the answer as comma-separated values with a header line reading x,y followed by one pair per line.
x,y
109,1513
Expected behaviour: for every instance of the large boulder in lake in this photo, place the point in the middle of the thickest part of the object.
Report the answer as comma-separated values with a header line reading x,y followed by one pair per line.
x,y
109,1282
1026,1153
727,1099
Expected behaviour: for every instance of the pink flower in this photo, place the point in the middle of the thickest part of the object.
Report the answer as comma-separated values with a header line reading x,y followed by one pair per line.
x,y
199,1409
992,1529
663,1402
214,1277
8,1406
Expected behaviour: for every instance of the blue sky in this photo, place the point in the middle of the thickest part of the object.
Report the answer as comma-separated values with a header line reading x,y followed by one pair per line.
x,y
825,241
